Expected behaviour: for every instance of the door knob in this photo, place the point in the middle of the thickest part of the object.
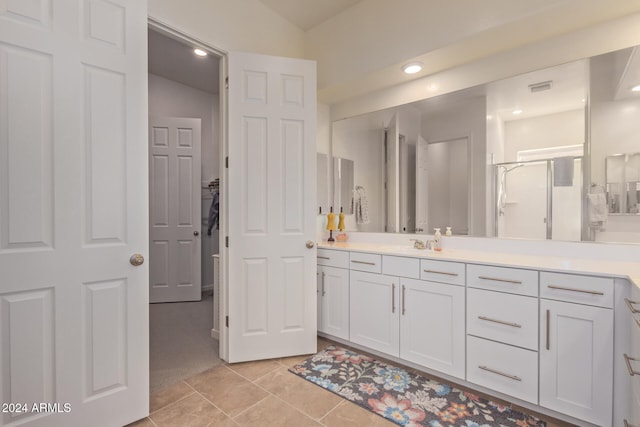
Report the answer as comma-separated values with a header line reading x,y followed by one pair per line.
x,y
309,244
136,259
196,233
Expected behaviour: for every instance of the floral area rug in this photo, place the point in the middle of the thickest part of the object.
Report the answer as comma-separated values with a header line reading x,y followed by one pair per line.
x,y
405,398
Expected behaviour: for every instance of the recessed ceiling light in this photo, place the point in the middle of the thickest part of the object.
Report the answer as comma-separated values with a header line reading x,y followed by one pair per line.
x,y
199,52
518,111
412,67
636,88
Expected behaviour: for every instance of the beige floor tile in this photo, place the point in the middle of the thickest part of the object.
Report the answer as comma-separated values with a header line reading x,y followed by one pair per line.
x,y
145,422
273,412
255,370
193,411
293,360
227,390
351,415
303,395
169,395
323,343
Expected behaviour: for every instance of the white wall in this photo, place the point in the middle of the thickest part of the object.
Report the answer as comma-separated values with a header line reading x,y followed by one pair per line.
x,y
467,120
171,99
361,139
552,130
615,129
246,25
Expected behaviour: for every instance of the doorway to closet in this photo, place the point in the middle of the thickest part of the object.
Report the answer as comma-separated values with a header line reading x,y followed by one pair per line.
x,y
184,118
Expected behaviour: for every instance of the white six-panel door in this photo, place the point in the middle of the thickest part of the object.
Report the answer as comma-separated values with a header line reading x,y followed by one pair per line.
x,y
271,196
73,209
174,209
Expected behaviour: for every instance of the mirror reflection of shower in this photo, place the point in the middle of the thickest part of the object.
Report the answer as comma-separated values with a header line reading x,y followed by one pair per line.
x,y
502,185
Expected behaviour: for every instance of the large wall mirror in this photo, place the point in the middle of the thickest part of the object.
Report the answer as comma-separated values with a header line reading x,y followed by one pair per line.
x,y
550,154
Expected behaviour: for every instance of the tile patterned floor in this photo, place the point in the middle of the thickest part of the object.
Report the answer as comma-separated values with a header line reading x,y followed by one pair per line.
x,y
259,393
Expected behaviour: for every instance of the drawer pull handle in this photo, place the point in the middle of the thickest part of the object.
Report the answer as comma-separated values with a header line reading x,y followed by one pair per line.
x,y
323,257
502,322
628,360
363,262
630,306
323,276
493,371
496,279
393,298
441,272
584,291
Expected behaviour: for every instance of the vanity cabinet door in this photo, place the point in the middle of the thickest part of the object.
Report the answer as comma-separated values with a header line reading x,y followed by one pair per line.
x,y
576,360
432,325
374,309
333,301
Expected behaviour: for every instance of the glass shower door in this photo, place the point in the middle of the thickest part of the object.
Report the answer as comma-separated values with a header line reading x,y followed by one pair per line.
x,y
530,206
522,200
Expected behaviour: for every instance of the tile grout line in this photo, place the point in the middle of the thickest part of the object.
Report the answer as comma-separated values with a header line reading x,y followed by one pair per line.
x,y
175,401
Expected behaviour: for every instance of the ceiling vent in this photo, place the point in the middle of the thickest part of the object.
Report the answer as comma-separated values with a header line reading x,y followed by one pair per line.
x,y
542,86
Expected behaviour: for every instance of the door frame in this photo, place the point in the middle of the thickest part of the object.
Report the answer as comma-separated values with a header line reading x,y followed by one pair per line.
x,y
167,30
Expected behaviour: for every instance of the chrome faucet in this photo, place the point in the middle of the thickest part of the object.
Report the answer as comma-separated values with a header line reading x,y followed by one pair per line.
x,y
418,244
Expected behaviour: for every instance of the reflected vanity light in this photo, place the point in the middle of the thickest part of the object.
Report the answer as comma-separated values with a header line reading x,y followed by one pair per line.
x,y
635,88
412,67
199,52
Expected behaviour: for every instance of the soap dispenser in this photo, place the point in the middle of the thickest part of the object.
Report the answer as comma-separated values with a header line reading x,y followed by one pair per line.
x,y
437,240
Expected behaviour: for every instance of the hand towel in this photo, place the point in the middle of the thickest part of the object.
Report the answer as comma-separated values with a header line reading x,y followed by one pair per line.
x,y
597,205
563,172
361,206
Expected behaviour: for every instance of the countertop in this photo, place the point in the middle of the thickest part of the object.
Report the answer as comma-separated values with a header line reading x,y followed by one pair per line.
x,y
568,264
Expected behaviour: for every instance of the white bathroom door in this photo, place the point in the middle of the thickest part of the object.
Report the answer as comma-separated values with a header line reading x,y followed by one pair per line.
x,y
73,210
271,188
174,209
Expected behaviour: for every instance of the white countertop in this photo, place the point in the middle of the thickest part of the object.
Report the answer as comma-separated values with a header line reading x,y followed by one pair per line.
x,y
622,269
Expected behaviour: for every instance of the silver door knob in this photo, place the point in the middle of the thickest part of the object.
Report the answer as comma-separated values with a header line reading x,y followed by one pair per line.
x,y
309,244
136,259
196,233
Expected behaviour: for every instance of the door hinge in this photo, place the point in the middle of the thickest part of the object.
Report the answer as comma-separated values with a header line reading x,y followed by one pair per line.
x,y
226,241
226,321
226,82
226,162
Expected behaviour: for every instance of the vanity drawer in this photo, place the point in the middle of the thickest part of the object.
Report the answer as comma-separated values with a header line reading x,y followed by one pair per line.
x,y
503,279
511,319
401,266
442,271
333,258
578,289
501,367
365,262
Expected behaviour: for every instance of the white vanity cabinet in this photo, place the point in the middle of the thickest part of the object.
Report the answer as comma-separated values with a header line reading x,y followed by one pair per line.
x,y
432,325
333,293
576,346
373,311
417,320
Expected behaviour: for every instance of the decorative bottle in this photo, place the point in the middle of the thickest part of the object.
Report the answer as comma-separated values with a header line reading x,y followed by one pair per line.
x,y
437,240
447,231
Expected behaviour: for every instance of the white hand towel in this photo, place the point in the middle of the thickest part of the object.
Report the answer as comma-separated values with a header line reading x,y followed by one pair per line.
x,y
597,207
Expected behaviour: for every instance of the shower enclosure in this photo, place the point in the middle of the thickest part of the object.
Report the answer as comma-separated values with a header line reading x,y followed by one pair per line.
x,y
533,203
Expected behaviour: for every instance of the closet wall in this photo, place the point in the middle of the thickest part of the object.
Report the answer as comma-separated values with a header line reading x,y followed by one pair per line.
x,y
171,99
